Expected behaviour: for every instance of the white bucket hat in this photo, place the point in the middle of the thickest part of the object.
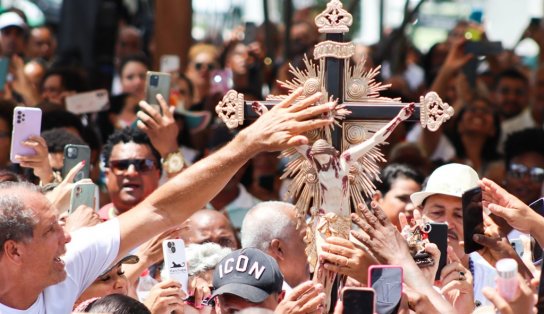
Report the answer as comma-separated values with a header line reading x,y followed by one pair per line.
x,y
450,179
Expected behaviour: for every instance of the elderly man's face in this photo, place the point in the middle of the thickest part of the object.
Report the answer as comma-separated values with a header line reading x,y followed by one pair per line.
x,y
447,209
208,226
41,255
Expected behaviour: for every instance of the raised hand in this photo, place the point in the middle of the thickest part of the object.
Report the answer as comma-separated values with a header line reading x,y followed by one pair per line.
x,y
344,257
284,125
308,297
456,284
161,129
524,303
165,297
38,162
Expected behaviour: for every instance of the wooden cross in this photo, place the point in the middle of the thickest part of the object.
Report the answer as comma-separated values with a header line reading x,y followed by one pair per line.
x,y
333,75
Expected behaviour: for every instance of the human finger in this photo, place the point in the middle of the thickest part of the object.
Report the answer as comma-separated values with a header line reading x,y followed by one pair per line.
x,y
300,290
304,126
370,218
289,100
380,214
310,293
417,217
306,102
500,304
453,276
164,106
148,120
339,242
313,304
433,249
297,140
313,111
368,229
334,259
72,173
455,285
492,243
403,221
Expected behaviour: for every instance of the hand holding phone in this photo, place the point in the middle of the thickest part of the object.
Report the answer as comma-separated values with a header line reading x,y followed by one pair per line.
x,y
473,220
175,262
157,83
27,122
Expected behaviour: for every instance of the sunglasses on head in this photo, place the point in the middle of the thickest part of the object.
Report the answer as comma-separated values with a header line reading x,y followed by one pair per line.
x,y
208,66
140,165
519,171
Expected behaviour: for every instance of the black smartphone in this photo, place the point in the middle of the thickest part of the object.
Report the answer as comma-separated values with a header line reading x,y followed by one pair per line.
x,y
473,219
537,206
439,236
386,280
73,155
358,300
540,301
250,33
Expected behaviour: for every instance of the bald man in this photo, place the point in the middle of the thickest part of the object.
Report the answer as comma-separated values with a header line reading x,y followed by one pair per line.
x,y
209,225
272,228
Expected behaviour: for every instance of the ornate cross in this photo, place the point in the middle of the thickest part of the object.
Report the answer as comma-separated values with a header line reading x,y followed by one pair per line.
x,y
332,174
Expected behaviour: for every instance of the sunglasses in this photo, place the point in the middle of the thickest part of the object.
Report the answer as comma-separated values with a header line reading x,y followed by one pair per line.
x,y
519,171
201,66
140,165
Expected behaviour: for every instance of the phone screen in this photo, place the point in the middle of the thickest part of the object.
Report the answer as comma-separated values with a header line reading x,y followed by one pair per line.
x,y
439,236
387,284
473,221
358,301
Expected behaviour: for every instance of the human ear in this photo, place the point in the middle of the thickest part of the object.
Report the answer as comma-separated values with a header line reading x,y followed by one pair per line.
x,y
276,249
13,251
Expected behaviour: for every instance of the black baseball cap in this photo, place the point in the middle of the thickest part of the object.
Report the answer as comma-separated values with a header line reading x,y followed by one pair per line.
x,y
248,273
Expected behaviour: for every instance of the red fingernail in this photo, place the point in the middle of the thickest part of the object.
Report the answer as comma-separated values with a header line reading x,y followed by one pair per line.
x,y
83,162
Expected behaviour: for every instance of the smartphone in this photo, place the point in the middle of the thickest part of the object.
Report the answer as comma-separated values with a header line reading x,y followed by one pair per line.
x,y
250,33
157,83
170,63
4,70
540,300
358,300
221,81
473,220
483,48
517,245
73,155
439,236
88,102
537,206
27,122
386,281
84,194
175,261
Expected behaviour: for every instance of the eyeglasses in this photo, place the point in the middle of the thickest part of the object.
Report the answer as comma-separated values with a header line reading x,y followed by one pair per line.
x,y
201,66
140,165
519,171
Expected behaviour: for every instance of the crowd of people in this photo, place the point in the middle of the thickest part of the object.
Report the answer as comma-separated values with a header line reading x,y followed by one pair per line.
x,y
176,172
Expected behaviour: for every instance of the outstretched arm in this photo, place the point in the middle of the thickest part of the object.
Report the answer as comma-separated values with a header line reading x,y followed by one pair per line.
x,y
357,151
189,191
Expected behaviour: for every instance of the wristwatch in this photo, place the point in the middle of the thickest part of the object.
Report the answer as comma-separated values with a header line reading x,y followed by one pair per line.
x,y
173,162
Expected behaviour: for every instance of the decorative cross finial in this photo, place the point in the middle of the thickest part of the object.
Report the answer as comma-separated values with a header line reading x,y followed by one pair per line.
x,y
334,19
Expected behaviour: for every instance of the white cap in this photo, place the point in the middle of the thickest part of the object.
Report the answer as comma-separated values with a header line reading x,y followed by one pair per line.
x,y
12,19
450,179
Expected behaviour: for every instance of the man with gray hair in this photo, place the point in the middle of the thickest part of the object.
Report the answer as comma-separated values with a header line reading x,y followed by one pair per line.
x,y
272,228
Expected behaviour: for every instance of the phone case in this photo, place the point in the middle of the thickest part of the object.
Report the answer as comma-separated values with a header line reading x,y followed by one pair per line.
x,y
26,122
175,261
83,194
473,221
74,154
386,280
439,236
88,102
358,300
157,83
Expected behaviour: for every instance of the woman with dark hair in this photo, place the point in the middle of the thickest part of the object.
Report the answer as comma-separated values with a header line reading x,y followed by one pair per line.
x,y
476,134
117,304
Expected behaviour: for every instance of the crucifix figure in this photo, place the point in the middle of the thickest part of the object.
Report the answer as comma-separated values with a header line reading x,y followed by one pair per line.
x,y
334,174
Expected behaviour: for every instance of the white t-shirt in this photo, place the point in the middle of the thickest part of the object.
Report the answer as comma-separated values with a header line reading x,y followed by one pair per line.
x,y
91,251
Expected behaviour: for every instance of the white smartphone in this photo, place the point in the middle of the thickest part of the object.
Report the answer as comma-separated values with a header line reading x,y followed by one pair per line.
x,y
175,262
170,63
88,102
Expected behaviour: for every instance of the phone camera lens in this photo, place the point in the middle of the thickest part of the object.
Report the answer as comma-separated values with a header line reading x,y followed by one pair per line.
x,y
173,249
154,80
71,153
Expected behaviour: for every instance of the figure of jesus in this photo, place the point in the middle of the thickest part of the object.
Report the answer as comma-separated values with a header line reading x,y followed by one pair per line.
x,y
332,213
